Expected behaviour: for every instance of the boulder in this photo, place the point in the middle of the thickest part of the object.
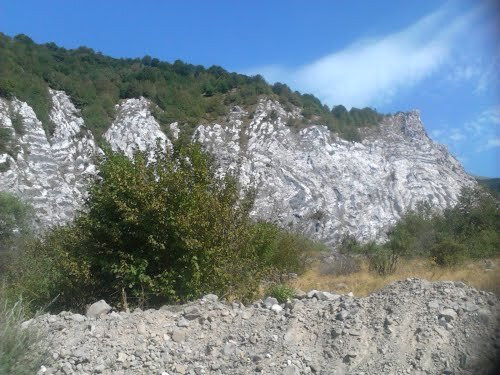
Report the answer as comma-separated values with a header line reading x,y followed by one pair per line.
x,y
97,309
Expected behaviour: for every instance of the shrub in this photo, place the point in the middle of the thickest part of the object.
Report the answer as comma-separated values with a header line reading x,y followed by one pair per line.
x,y
15,224
448,252
340,264
168,229
52,273
280,251
281,292
381,258
20,349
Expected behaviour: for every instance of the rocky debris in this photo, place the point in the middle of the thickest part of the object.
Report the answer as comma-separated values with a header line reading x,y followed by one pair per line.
x,y
97,309
393,331
310,179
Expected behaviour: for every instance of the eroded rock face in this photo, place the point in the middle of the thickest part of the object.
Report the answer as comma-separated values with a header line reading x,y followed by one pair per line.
x,y
329,186
51,172
394,331
135,128
309,179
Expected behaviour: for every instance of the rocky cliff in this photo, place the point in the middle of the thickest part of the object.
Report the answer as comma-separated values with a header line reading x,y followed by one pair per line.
x,y
306,177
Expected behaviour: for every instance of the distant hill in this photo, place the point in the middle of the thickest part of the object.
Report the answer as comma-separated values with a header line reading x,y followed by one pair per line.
x,y
491,183
184,93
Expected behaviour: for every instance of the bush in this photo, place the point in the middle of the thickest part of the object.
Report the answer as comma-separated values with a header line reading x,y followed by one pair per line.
x,y
280,251
469,230
164,230
20,349
281,292
168,229
382,259
448,252
15,224
52,273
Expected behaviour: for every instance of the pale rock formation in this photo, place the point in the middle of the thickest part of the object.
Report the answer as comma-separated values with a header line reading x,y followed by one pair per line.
x,y
307,178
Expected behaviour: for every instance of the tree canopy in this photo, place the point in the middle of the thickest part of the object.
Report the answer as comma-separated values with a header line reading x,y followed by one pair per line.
x,y
189,94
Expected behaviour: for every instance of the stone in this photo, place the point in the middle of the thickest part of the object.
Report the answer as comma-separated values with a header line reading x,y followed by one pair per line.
x,y
342,315
192,313
182,322
229,348
291,370
277,308
178,335
179,368
327,296
270,302
210,298
434,304
312,293
77,318
448,314
121,357
97,309
300,294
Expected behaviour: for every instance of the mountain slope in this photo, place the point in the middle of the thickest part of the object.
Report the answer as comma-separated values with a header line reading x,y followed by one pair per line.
x,y
307,178
182,92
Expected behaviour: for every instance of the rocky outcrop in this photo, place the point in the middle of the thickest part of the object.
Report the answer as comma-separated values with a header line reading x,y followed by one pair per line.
x,y
50,171
306,178
410,327
328,186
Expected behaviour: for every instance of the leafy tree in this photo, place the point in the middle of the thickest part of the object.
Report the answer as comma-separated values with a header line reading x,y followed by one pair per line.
x,y
184,92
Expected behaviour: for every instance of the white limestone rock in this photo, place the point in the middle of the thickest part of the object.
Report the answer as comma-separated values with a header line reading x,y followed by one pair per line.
x,y
308,179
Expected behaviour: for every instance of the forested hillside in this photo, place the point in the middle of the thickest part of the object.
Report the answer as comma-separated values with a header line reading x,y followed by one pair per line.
x,y
189,94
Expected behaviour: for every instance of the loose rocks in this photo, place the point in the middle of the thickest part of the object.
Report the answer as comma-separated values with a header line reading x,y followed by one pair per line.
x,y
409,327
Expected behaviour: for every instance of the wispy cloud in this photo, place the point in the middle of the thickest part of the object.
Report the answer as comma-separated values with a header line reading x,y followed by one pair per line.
x,y
478,135
480,74
370,72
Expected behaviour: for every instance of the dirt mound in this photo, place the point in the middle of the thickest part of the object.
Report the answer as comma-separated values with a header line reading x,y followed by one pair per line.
x,y
409,327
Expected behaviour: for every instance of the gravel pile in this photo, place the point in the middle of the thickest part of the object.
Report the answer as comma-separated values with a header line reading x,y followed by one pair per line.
x,y
409,327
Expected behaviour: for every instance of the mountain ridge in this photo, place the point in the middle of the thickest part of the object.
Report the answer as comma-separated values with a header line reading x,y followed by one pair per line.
x,y
309,179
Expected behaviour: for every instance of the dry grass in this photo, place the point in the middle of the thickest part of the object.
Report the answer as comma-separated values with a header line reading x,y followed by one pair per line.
x,y
364,282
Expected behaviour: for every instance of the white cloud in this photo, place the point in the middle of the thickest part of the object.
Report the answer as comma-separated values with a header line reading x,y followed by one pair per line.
x,y
371,72
491,143
456,135
480,74
480,134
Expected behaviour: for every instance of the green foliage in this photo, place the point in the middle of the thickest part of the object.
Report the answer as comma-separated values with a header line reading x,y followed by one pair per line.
x,y
167,229
183,92
282,251
15,224
51,272
281,292
469,230
382,259
17,124
20,349
156,231
493,184
448,252
5,140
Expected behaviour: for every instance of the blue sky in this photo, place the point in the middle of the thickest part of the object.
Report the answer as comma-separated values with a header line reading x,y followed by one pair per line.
x,y
441,57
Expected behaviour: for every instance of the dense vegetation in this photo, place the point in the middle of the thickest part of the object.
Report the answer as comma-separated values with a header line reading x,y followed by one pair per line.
x,y
167,230
469,230
183,92
493,184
